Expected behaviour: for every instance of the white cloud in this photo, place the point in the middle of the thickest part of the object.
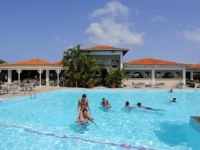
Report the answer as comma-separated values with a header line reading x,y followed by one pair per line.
x,y
192,36
110,32
157,18
113,8
60,39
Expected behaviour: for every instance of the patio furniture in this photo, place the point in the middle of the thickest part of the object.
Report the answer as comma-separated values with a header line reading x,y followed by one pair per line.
x,y
53,83
161,84
139,85
22,87
14,87
179,85
133,84
4,89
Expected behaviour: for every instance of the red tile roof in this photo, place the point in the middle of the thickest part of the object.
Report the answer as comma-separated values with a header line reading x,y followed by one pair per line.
x,y
56,63
195,66
105,48
36,61
151,61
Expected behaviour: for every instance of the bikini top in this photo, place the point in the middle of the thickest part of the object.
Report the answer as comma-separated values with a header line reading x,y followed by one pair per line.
x,y
85,103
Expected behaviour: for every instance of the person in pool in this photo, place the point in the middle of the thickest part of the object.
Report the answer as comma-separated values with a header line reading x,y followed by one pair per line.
x,y
85,118
83,104
127,106
103,103
108,104
139,105
174,100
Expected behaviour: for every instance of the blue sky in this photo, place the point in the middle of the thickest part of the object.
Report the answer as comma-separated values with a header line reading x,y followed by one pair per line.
x,y
160,29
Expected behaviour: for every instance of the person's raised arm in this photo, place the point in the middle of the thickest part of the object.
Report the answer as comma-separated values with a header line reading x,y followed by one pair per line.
x,y
93,122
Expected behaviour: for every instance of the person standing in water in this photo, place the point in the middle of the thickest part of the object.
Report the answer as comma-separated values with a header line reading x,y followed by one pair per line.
x,y
83,104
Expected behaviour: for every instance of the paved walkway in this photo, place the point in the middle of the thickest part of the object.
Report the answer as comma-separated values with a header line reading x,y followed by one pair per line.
x,y
44,89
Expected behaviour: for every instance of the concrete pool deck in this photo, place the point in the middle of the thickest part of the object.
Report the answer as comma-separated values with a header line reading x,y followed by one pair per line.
x,y
43,89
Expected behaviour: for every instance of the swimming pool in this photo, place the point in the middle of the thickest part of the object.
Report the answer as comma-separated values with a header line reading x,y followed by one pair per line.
x,y
47,121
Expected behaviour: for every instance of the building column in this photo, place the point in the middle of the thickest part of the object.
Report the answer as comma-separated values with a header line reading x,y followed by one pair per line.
x,y
19,72
47,77
153,76
58,72
121,60
184,76
40,72
9,76
191,75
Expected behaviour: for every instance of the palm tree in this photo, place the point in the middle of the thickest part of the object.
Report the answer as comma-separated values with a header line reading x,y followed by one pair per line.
x,y
79,67
71,62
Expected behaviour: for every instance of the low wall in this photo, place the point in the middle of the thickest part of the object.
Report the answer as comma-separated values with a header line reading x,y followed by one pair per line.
x,y
169,82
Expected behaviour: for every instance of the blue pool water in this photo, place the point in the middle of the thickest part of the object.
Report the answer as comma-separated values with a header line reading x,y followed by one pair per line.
x,y
47,121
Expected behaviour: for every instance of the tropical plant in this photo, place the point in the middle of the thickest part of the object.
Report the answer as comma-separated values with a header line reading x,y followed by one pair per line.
x,y
71,61
80,68
115,77
91,82
197,77
1,74
2,61
191,84
90,68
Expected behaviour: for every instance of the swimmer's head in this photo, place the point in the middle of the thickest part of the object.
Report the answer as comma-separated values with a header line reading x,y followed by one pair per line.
x,y
84,96
139,104
127,103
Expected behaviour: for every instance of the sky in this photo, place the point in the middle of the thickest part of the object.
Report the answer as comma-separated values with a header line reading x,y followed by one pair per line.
x,y
160,29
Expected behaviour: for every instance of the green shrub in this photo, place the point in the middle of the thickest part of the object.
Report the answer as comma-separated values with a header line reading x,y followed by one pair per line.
x,y
191,84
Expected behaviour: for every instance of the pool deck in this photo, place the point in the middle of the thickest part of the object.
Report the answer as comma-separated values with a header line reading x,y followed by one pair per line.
x,y
44,89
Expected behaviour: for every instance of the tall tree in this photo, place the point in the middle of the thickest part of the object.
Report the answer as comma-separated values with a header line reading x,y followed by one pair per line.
x,y
71,62
79,67
2,61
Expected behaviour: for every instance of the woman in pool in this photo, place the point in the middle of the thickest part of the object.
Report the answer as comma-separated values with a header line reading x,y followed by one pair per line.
x,y
148,108
127,105
83,104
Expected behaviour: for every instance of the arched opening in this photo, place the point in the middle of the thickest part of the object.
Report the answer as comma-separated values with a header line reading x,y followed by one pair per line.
x,y
114,66
137,75
168,75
